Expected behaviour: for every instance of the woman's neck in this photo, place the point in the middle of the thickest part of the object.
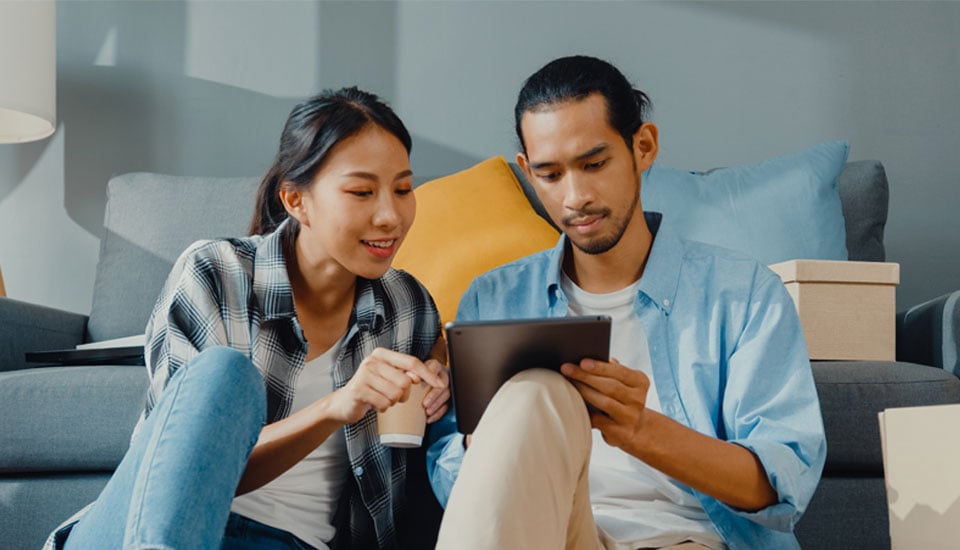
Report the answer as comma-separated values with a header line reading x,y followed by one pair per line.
x,y
320,285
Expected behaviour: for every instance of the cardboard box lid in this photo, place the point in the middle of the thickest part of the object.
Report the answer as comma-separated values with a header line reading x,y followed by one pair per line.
x,y
838,271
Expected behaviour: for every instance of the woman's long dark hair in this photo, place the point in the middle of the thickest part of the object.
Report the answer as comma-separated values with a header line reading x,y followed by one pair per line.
x,y
313,128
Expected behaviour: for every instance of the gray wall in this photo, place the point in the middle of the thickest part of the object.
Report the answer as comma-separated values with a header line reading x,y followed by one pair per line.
x,y
202,88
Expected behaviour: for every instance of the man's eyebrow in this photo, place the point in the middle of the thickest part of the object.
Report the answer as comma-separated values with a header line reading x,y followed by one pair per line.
x,y
585,155
595,151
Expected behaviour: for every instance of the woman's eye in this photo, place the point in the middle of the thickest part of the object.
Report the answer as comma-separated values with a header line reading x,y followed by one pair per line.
x,y
360,193
403,192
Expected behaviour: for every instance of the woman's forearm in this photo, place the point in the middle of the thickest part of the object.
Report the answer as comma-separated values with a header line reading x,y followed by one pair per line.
x,y
286,442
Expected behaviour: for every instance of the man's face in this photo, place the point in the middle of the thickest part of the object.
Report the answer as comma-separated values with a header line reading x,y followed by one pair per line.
x,y
583,172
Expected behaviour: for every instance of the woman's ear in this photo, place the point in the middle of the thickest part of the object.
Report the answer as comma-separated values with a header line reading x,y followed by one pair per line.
x,y
292,199
645,145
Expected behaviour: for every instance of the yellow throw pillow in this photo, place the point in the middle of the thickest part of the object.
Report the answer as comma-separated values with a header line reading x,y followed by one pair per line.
x,y
468,223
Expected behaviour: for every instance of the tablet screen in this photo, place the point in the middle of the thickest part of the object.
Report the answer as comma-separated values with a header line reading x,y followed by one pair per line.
x,y
485,354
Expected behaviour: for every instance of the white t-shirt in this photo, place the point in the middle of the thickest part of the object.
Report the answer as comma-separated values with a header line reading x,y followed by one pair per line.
x,y
635,505
304,499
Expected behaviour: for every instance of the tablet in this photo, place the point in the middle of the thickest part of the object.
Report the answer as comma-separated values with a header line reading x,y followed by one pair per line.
x,y
485,354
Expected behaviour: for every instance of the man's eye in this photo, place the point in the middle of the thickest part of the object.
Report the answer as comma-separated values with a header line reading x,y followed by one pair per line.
x,y
551,176
596,165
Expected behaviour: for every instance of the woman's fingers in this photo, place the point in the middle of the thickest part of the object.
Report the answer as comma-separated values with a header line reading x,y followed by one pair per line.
x,y
408,363
438,414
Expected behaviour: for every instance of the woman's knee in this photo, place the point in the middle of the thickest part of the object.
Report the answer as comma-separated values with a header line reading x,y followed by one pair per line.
x,y
231,374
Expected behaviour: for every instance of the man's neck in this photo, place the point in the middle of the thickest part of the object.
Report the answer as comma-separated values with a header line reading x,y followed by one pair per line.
x,y
616,268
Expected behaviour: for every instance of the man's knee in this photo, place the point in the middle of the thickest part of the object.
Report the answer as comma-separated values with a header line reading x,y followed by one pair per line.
x,y
542,387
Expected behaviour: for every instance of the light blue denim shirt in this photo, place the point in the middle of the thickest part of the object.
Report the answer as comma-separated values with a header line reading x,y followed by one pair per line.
x,y
728,358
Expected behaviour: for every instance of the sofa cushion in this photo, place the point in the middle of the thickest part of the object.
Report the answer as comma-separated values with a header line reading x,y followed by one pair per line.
x,y
784,208
150,219
68,418
864,196
846,512
853,392
31,507
468,223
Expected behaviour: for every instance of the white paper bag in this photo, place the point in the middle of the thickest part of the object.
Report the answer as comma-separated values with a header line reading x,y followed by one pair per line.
x,y
921,460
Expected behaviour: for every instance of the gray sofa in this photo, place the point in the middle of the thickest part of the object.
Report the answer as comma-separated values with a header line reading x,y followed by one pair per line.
x,y
65,428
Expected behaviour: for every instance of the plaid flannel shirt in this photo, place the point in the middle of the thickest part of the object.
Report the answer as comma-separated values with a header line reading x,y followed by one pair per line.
x,y
236,293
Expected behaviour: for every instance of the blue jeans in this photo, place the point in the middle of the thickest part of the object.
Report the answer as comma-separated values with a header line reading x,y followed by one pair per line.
x,y
246,534
174,487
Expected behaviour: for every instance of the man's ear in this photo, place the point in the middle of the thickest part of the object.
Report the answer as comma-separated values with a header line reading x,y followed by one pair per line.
x,y
292,199
522,161
645,145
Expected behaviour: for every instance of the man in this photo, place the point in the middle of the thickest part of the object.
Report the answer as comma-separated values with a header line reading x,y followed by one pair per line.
x,y
706,427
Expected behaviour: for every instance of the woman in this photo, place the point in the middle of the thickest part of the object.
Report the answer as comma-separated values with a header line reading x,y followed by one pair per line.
x,y
261,349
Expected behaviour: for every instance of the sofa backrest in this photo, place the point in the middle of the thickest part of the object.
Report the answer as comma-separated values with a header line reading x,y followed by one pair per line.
x,y
150,219
864,196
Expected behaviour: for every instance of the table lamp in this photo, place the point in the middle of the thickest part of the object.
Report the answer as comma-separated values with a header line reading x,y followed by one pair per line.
x,y
28,72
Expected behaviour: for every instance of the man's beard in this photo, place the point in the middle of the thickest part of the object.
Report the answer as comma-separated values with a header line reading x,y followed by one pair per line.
x,y
603,244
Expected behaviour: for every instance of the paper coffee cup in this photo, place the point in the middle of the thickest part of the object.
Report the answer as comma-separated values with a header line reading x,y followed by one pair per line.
x,y
402,425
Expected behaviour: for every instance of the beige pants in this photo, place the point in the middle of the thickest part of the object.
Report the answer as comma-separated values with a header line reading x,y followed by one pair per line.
x,y
523,483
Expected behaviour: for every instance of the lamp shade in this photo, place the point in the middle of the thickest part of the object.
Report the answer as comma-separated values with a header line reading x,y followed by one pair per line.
x,y
28,70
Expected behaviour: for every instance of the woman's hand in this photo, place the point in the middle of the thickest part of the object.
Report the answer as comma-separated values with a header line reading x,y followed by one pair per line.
x,y
435,403
384,378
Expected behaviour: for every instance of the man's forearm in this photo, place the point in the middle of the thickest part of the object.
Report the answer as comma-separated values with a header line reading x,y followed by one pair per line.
x,y
726,471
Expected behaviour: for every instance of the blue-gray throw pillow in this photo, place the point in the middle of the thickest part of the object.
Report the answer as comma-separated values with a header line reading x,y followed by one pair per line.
x,y
784,208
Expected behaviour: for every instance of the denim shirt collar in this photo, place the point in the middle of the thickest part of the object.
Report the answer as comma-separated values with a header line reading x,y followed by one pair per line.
x,y
661,275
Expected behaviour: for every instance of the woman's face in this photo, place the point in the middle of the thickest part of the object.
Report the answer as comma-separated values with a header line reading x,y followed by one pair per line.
x,y
360,206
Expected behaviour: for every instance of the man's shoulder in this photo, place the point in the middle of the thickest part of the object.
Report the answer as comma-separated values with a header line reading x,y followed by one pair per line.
x,y
533,267
723,265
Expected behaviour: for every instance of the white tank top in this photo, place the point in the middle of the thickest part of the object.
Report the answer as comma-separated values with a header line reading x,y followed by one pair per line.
x,y
303,500
635,505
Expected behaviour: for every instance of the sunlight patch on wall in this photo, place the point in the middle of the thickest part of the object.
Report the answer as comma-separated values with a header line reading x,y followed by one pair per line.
x,y
107,56
267,47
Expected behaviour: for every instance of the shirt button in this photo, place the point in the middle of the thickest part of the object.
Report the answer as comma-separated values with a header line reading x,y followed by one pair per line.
x,y
358,471
666,302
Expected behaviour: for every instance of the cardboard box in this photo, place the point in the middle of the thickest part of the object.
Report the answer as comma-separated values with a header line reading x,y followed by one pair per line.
x,y
920,456
847,309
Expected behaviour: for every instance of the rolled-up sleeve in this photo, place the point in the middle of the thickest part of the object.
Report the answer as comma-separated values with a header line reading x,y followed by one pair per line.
x,y
771,405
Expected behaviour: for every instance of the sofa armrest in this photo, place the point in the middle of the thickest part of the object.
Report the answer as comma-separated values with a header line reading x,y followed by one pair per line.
x,y
28,327
929,333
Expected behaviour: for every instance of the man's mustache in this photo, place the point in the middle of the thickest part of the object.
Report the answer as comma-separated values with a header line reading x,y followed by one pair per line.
x,y
580,214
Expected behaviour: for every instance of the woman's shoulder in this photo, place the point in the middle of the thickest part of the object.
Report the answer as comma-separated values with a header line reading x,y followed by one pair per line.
x,y
397,280
216,259
221,250
403,288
